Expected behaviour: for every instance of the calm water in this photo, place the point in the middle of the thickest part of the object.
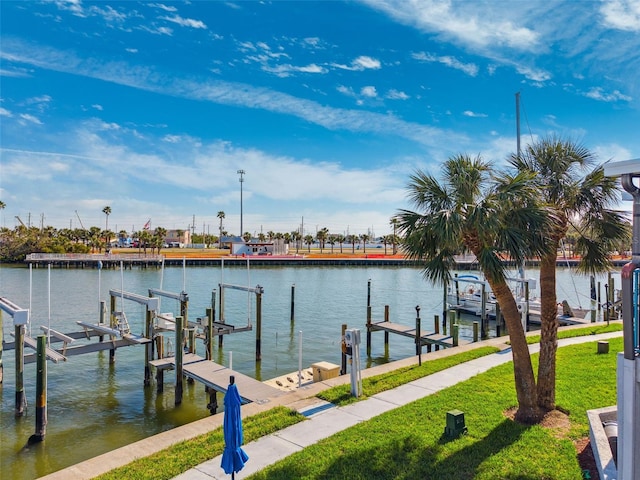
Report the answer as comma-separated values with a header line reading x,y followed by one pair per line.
x,y
94,407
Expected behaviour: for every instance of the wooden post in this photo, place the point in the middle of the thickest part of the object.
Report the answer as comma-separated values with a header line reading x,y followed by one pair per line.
x,y
436,328
368,330
386,334
209,334
160,371
41,391
259,291
112,324
526,299
192,340
213,402
599,296
178,359
444,306
593,298
221,314
498,320
184,310
612,293
19,352
455,332
293,302
103,310
343,356
418,336
148,348
484,317
475,331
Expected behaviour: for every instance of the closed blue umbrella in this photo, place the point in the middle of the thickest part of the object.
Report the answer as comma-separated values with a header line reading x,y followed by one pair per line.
x,y
233,457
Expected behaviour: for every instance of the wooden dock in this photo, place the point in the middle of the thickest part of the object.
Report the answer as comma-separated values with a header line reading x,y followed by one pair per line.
x,y
216,377
426,338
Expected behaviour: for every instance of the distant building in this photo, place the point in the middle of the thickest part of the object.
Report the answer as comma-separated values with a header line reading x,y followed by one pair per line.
x,y
178,238
237,246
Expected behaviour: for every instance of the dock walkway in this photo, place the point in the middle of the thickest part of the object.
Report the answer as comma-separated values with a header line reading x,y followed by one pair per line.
x,y
426,337
216,376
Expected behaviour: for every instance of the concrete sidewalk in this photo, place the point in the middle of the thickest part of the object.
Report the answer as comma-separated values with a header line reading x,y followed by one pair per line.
x,y
324,419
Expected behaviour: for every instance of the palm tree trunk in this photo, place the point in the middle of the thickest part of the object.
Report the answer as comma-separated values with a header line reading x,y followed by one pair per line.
x,y
548,333
528,411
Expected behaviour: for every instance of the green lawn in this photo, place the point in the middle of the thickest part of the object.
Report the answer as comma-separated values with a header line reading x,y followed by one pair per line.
x,y
409,442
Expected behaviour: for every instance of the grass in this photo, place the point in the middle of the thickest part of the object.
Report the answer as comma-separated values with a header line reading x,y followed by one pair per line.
x,y
341,395
182,456
411,437
409,442
594,329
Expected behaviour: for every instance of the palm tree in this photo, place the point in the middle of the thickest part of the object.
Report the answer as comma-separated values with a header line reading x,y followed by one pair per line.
x,y
308,239
579,201
352,239
107,211
159,234
220,215
488,215
365,238
394,222
321,236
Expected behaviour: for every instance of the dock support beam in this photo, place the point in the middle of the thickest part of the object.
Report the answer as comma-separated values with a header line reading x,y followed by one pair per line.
x,y
293,303
41,392
221,314
386,334
178,358
21,401
148,348
112,324
343,356
209,334
418,335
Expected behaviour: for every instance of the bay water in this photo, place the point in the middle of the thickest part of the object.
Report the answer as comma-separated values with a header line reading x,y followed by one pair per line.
x,y
94,406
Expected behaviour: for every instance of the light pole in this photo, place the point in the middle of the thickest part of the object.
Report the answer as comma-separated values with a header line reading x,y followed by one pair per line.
x,y
241,173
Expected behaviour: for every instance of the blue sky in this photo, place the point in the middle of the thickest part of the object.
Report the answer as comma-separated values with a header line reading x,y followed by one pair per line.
x,y
151,108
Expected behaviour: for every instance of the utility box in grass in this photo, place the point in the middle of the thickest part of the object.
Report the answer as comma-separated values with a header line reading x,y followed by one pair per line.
x,y
324,371
455,424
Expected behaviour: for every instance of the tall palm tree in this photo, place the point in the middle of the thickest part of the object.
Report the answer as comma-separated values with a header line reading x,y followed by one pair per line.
x,y
580,197
107,211
489,215
365,237
221,216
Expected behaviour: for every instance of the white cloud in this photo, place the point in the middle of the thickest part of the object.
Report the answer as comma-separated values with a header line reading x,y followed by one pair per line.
x,y
394,94
5,113
621,14
30,118
172,138
131,50
97,107
185,22
598,93
469,113
612,152
359,64
477,25
369,91
470,69
166,8
287,70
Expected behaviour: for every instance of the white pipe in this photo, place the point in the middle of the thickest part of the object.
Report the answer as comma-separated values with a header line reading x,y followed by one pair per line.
x,y
49,315
300,359
231,360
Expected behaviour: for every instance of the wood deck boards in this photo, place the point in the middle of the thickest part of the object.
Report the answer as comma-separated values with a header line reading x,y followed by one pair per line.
x,y
216,376
426,337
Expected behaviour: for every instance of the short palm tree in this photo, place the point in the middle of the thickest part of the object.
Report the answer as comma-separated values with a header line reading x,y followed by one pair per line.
x,y
580,197
489,215
221,215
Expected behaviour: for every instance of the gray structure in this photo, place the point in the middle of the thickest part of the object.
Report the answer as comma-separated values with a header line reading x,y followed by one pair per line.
x,y
628,366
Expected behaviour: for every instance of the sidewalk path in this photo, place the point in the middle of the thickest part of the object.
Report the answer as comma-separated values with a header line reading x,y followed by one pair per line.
x,y
325,420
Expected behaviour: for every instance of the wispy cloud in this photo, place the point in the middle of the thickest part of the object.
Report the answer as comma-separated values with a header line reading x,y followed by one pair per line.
x,y
30,118
394,94
469,113
227,93
598,93
470,69
360,63
5,113
185,22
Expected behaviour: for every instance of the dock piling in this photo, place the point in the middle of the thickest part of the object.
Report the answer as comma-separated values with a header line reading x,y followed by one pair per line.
x,y
259,323
21,401
293,302
41,391
418,340
369,330
436,328
343,356
475,331
178,357
386,334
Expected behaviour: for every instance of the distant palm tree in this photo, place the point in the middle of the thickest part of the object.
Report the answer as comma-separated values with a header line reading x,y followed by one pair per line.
x,y
394,222
475,210
321,236
107,211
353,239
221,216
308,239
582,203
365,238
